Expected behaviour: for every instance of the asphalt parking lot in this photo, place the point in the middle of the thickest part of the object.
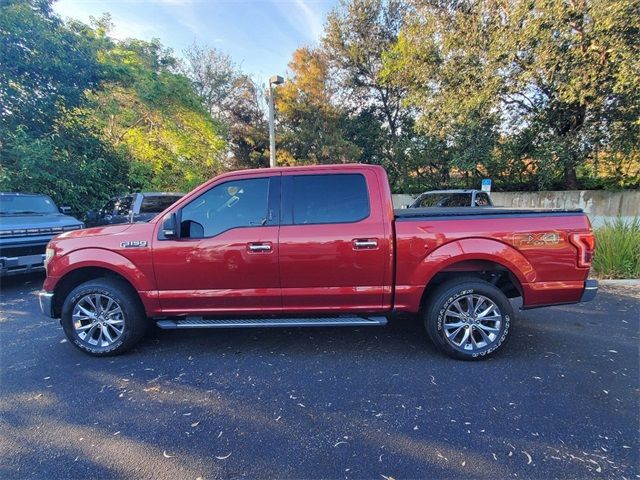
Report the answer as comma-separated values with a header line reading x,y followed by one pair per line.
x,y
561,401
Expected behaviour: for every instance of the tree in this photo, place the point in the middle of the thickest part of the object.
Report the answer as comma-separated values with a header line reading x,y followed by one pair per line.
x,y
311,128
212,75
234,100
85,117
357,35
151,114
45,66
47,144
549,83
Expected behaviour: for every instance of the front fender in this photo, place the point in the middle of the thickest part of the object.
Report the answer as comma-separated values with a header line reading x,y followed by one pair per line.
x,y
141,280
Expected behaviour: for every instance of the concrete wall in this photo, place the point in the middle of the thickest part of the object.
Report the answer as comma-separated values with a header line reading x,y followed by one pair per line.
x,y
600,205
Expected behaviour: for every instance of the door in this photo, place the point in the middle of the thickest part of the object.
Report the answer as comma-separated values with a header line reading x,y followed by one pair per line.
x,y
333,246
226,259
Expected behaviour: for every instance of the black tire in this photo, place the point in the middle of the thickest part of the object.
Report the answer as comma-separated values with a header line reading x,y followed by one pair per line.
x,y
441,306
133,318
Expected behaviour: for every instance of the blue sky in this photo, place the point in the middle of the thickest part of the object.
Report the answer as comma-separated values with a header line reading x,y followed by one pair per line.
x,y
260,35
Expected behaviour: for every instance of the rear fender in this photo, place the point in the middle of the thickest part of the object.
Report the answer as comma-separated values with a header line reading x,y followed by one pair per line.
x,y
409,297
477,249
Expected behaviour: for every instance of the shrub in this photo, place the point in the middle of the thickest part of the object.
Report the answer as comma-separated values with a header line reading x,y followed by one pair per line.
x,y
618,249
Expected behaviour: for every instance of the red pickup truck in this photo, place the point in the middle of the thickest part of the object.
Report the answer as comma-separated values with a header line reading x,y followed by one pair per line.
x,y
315,246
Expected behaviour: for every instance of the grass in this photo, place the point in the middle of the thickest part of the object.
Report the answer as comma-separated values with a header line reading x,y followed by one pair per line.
x,y
618,249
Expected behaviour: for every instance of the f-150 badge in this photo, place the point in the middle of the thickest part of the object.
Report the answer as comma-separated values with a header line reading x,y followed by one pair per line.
x,y
134,244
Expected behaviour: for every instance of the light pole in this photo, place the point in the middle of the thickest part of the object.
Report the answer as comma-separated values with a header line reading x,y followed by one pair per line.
x,y
273,81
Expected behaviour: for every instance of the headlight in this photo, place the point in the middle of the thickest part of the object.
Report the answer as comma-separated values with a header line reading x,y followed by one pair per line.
x,y
48,255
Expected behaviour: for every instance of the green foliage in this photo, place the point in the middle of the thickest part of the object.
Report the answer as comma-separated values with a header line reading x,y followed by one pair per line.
x,y
44,66
535,94
311,127
154,118
85,117
618,249
534,87
72,165
357,35
234,101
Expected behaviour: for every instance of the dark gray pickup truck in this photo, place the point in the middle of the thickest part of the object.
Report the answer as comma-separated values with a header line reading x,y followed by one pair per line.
x,y
135,207
27,223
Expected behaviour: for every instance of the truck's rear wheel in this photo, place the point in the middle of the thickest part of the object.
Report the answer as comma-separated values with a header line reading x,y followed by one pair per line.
x,y
102,317
468,318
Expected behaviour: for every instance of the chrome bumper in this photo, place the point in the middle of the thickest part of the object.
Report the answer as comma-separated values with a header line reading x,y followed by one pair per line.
x,y
46,303
590,290
23,264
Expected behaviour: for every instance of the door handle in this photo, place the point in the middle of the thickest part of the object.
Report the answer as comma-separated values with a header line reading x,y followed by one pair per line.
x,y
363,243
259,247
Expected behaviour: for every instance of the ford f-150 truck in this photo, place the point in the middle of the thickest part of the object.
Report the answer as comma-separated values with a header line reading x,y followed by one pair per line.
x,y
315,246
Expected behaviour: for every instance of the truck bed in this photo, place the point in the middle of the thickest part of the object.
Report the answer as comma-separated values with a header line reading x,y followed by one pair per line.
x,y
485,212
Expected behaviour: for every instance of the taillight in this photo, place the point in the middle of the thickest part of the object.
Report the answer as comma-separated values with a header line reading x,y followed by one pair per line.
x,y
586,244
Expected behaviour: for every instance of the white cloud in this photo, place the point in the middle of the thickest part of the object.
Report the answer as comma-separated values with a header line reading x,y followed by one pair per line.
x,y
303,17
123,27
313,18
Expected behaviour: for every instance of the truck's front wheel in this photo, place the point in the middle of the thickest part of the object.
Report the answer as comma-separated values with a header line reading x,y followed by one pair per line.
x,y
102,317
468,318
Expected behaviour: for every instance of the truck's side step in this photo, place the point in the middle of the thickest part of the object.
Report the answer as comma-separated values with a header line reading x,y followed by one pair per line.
x,y
200,322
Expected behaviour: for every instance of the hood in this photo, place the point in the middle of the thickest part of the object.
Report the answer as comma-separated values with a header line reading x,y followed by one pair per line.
x,y
16,222
96,231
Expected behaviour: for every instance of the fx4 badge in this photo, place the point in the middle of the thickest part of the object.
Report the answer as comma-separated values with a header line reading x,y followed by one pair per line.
x,y
538,239
134,244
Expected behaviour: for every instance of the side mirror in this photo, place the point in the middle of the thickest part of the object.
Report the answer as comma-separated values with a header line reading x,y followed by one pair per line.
x,y
170,228
65,210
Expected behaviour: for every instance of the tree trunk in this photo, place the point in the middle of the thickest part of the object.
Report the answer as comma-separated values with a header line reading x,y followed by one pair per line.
x,y
570,177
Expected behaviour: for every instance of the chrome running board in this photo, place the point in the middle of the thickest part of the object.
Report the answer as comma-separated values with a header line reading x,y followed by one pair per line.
x,y
201,322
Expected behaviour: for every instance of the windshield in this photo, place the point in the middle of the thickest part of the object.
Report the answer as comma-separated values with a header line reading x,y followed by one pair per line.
x,y
26,204
444,200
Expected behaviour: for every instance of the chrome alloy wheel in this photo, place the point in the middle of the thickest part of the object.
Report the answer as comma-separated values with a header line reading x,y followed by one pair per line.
x,y
98,320
472,322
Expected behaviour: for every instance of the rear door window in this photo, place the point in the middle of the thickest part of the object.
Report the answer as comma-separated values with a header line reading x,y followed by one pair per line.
x,y
319,199
158,203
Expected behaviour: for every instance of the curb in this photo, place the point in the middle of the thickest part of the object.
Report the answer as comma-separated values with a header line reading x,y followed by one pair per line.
x,y
629,282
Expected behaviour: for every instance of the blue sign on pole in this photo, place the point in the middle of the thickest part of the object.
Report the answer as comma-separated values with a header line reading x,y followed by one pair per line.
x,y
486,185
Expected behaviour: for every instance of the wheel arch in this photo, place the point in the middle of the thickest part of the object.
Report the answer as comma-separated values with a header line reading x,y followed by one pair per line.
x,y
489,260
80,275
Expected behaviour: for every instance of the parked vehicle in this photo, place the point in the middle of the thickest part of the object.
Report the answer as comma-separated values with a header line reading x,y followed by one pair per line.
x,y
135,207
315,246
452,198
27,223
